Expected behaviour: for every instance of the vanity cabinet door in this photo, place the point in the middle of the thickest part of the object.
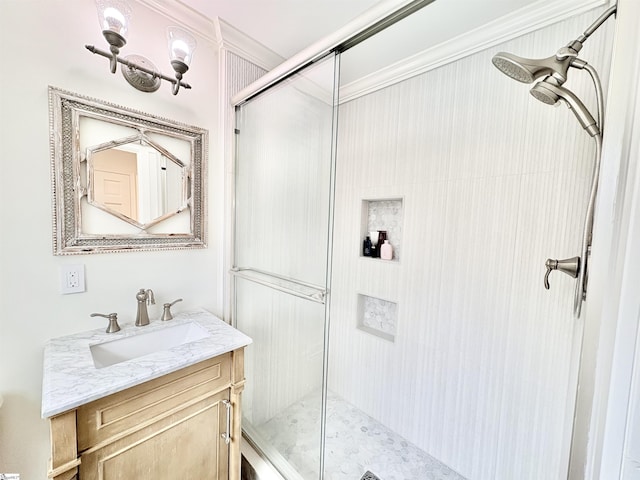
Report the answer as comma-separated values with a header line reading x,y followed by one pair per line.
x,y
186,444
116,415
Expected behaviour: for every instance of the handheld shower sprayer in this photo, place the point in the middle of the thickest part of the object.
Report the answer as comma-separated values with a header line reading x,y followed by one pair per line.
x,y
550,90
551,94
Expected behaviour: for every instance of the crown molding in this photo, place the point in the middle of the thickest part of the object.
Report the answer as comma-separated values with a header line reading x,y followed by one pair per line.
x,y
184,16
216,31
235,41
525,20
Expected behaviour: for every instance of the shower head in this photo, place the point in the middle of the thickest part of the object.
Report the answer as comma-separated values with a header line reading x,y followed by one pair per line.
x,y
527,70
548,93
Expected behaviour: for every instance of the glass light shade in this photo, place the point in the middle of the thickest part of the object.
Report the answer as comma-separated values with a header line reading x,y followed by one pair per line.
x,y
114,16
181,45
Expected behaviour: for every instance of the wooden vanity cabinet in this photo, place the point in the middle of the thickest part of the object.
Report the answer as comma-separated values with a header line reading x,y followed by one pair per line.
x,y
174,426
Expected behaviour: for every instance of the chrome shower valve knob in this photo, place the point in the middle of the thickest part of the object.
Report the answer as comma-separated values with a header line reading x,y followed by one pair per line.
x,y
570,266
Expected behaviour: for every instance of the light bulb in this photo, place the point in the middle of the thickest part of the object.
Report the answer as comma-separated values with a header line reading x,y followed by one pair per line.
x,y
181,45
114,16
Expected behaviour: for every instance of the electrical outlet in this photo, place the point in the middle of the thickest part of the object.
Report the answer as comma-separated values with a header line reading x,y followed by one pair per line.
x,y
71,279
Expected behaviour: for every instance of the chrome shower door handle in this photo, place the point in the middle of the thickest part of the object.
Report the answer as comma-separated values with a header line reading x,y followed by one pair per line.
x,y
226,436
570,266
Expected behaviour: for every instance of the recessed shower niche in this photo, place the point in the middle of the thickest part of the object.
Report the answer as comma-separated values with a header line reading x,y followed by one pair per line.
x,y
382,215
377,317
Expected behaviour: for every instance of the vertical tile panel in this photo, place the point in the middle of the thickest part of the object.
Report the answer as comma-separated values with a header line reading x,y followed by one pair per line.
x,y
239,73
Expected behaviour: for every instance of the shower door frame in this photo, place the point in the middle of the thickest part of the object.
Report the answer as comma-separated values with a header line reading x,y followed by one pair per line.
x,y
322,294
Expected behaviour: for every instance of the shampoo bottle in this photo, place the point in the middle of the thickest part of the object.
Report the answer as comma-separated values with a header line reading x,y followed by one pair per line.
x,y
366,247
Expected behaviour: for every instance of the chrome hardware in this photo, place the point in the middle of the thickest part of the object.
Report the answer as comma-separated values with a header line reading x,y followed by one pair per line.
x,y
550,91
226,436
144,298
113,321
570,266
166,313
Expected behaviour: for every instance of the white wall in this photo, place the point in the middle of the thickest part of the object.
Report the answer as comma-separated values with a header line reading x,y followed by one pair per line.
x,y
44,45
493,182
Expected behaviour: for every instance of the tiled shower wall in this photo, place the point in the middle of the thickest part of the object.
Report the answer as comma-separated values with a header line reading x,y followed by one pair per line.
x,y
480,373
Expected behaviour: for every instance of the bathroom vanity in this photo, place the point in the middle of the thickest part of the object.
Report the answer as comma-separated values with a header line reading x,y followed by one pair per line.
x,y
171,413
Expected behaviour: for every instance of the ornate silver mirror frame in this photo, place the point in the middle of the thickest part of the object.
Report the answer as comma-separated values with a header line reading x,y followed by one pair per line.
x,y
81,127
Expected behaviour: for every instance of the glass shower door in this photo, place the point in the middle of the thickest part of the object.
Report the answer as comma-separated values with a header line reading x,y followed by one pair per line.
x,y
282,223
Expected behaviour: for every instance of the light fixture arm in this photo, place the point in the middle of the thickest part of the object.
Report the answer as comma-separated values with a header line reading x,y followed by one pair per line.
x,y
180,68
115,59
176,85
116,42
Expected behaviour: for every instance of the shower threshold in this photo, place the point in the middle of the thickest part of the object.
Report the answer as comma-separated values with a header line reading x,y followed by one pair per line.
x,y
355,445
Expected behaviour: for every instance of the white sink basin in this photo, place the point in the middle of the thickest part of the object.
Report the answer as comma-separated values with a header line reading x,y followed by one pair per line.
x,y
109,353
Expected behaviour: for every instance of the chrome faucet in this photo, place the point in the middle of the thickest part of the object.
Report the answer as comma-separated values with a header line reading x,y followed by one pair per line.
x,y
144,298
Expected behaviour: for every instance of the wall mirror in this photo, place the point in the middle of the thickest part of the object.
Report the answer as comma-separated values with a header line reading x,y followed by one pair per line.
x,y
123,179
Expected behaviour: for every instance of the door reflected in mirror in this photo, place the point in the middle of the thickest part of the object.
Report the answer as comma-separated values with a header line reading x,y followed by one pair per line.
x,y
137,181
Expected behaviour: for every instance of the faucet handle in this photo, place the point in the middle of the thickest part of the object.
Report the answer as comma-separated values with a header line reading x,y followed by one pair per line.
x,y
113,321
166,313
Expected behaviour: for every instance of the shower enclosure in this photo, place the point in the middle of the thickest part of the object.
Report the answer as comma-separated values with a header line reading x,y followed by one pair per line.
x,y
450,360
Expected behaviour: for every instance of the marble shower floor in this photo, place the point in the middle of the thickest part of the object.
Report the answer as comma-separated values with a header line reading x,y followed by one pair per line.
x,y
355,444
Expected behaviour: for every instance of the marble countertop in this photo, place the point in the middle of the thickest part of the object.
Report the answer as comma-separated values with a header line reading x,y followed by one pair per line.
x,y
70,378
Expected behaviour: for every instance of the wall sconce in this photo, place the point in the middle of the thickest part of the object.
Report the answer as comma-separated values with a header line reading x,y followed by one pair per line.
x,y
114,17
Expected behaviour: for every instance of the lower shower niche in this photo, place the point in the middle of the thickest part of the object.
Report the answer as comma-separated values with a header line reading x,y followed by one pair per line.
x,y
377,317
355,444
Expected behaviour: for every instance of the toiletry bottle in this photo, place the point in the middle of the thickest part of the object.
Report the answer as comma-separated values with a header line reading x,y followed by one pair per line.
x,y
373,236
366,247
386,251
382,236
